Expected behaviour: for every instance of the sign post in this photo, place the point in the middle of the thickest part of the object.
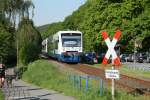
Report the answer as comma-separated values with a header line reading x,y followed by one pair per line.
x,y
113,74
113,86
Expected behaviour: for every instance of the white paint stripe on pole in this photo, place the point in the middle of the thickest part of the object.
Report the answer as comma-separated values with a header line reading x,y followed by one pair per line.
x,y
107,42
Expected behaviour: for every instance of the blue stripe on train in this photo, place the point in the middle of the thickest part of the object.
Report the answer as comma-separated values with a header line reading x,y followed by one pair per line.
x,y
68,59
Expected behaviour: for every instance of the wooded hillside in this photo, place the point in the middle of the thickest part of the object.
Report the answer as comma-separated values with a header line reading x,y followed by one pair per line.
x,y
132,17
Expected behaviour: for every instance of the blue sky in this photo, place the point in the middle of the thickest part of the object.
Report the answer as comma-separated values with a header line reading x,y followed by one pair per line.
x,y
49,11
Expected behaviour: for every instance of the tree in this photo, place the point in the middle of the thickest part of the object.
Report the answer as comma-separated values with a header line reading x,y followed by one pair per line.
x,y
7,47
29,42
10,12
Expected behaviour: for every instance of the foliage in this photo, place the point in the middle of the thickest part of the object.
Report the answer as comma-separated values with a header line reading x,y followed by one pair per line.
x,y
14,8
29,42
10,12
51,29
132,17
29,53
7,47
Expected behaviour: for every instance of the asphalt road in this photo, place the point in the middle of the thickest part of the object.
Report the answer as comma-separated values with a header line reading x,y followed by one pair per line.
x,y
21,90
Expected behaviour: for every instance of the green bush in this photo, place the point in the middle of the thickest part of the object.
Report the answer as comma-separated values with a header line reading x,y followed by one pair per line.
x,y
29,53
28,42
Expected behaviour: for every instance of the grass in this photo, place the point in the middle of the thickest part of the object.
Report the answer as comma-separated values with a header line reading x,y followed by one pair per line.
x,y
48,75
1,95
127,71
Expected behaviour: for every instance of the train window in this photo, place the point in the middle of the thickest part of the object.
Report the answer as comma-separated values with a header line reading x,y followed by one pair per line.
x,y
71,40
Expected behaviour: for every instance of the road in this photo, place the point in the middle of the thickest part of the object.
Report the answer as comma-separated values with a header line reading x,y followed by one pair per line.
x,y
21,90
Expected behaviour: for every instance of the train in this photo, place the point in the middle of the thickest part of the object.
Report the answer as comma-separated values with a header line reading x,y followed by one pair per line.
x,y
65,46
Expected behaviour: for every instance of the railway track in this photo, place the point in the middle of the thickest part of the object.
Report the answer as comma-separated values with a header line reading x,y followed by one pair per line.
x,y
128,83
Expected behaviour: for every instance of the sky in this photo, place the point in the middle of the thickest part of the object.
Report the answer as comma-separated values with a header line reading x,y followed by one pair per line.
x,y
49,11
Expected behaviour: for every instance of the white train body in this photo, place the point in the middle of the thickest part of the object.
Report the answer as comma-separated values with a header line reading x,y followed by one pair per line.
x,y
65,46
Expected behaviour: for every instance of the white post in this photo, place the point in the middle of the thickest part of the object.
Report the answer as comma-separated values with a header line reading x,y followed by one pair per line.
x,y
113,84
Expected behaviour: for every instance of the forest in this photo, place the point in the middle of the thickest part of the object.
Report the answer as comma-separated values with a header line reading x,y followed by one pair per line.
x,y
132,17
20,41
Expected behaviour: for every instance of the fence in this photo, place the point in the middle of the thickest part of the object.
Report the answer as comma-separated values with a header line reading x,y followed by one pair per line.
x,y
139,66
78,83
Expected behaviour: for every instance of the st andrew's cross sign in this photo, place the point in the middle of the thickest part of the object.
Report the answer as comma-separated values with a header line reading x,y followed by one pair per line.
x,y
111,50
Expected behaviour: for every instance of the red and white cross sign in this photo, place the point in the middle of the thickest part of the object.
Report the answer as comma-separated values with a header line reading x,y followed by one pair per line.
x,y
111,50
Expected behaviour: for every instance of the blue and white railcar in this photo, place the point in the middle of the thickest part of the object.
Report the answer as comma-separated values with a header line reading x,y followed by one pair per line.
x,y
65,46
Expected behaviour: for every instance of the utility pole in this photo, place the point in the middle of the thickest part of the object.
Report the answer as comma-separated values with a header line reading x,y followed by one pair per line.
x,y
137,44
134,51
17,52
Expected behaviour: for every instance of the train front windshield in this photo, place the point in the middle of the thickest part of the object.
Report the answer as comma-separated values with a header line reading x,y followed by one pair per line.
x,y
71,39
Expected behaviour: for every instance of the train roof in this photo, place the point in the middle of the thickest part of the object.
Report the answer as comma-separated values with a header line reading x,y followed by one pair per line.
x,y
68,32
55,36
